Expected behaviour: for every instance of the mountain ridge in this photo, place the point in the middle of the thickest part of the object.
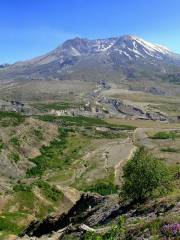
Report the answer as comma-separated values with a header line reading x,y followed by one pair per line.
x,y
126,57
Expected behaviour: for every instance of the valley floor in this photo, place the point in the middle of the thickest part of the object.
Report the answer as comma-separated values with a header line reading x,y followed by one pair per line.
x,y
83,157
48,163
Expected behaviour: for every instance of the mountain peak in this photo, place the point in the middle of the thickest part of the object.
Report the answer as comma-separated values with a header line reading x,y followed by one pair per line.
x,y
126,43
81,58
129,37
133,46
75,42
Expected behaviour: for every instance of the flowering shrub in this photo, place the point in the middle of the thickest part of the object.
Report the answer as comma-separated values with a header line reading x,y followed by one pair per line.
x,y
171,230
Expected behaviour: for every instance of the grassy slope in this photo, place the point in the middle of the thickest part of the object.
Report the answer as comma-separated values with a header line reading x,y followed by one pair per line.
x,y
33,197
56,164
21,138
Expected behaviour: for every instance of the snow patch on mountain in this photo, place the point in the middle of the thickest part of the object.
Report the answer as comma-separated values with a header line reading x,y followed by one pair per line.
x,y
150,46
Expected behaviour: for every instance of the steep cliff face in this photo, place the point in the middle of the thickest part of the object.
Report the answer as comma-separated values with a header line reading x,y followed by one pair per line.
x,y
20,139
96,214
136,112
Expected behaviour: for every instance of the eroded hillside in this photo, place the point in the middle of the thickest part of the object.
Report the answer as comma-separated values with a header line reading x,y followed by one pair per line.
x,y
67,148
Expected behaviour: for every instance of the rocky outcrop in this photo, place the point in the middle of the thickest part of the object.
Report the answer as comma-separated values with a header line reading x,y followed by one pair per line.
x,y
93,210
155,91
77,214
8,167
15,106
136,112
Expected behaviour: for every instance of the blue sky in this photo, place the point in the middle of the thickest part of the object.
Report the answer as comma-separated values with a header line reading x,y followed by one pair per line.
x,y
32,27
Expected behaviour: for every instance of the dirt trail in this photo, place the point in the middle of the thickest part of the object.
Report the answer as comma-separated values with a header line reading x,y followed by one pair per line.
x,y
119,166
140,137
108,155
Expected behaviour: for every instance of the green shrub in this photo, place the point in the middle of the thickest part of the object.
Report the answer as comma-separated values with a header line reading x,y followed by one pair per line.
x,y
92,236
1,145
56,105
22,188
49,191
77,120
9,223
15,157
15,141
82,121
38,133
103,188
166,135
50,155
143,175
11,119
170,149
109,134
117,232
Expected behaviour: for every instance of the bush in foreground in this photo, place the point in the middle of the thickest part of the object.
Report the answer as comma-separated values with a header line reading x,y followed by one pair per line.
x,y
171,230
117,232
165,135
103,188
143,175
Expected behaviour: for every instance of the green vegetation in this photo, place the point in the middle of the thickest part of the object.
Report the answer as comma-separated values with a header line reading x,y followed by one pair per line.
x,y
171,109
22,188
11,119
82,121
170,149
14,222
26,203
49,191
63,161
38,133
156,226
166,135
8,223
60,153
109,134
15,141
70,121
56,106
117,232
143,175
15,157
24,197
50,157
102,187
1,145
92,133
25,200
